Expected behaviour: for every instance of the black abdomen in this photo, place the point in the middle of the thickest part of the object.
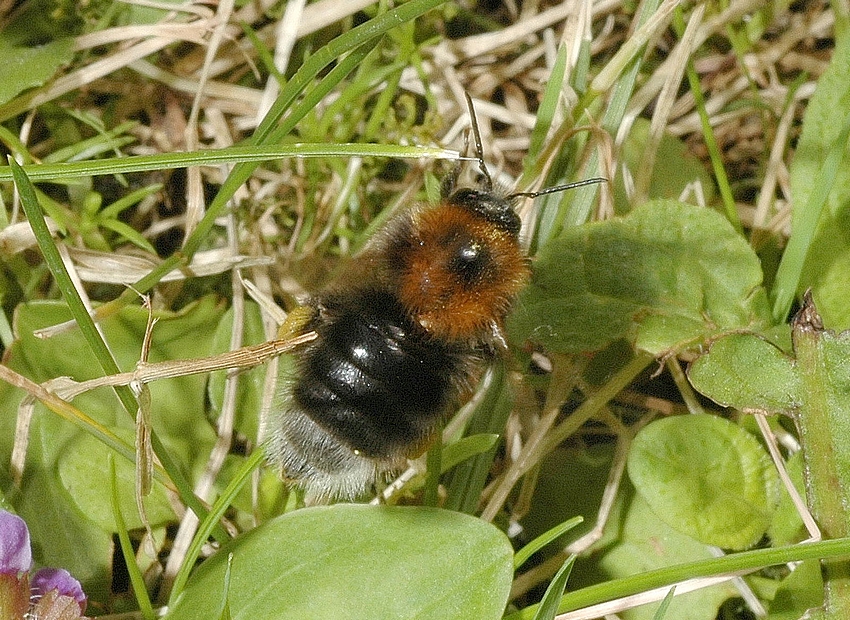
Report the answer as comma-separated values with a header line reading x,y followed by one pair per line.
x,y
374,379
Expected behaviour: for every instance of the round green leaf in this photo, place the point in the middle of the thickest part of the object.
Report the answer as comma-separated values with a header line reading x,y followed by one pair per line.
x,y
354,561
706,477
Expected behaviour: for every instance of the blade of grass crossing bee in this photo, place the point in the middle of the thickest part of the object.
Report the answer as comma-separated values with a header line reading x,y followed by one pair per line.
x,y
360,39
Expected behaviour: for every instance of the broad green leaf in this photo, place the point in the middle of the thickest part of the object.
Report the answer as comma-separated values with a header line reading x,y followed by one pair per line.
x,y
828,259
28,67
84,474
749,373
706,477
70,524
354,561
666,276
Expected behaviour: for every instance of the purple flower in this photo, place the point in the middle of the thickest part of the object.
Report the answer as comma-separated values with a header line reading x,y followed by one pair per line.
x,y
55,593
15,551
47,579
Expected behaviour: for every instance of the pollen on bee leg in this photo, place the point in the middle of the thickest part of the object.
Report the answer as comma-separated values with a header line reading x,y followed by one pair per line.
x,y
295,322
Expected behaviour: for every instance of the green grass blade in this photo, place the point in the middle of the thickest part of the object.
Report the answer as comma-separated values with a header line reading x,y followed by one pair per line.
x,y
30,205
665,604
212,157
805,224
206,527
708,135
549,604
522,556
745,561
545,114
133,571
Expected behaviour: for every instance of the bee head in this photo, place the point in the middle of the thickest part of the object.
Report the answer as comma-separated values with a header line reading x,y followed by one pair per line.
x,y
489,206
493,206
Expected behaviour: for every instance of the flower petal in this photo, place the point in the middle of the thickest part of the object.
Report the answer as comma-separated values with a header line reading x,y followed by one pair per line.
x,y
60,580
15,551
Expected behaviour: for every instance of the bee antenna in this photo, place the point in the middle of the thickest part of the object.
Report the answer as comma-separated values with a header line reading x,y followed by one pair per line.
x,y
479,149
558,188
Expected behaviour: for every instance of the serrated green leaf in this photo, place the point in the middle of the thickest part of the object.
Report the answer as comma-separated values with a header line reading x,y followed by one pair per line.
x,y
749,373
706,477
355,561
665,276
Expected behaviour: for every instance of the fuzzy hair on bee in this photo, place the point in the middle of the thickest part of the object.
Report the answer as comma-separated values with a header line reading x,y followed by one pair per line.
x,y
403,336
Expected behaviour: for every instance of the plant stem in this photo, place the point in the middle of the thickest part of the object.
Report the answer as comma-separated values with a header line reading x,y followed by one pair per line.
x,y
824,450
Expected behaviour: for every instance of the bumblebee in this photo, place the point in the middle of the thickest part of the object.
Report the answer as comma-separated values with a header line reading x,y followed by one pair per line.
x,y
403,335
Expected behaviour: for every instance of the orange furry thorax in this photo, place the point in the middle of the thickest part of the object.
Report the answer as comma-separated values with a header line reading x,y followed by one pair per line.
x,y
461,273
